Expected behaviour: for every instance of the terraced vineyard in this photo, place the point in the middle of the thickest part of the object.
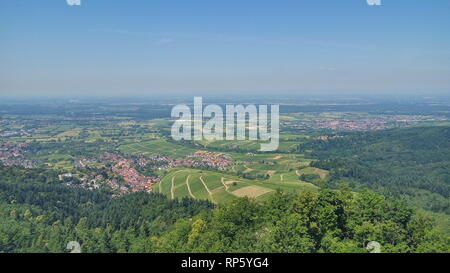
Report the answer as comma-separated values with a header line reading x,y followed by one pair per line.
x,y
222,188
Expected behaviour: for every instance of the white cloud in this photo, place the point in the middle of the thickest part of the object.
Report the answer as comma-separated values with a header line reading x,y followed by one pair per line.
x,y
165,41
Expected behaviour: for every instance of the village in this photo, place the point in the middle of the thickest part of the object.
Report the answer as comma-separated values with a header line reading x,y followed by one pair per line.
x,y
123,173
12,154
349,123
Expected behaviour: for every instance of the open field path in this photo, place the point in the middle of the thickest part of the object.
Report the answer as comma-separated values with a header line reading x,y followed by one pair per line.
x,y
189,188
247,169
206,187
171,188
223,182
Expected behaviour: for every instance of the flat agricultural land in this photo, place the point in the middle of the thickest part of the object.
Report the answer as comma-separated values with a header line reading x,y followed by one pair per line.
x,y
156,146
287,144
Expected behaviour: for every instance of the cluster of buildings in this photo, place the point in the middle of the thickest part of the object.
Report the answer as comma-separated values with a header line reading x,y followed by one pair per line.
x,y
363,123
12,154
121,174
210,159
117,186
16,133
199,159
353,125
127,169
127,178
109,157
157,162
135,180
93,180
13,128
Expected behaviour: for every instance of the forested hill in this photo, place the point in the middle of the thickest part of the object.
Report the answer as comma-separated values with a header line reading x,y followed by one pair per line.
x,y
40,215
411,163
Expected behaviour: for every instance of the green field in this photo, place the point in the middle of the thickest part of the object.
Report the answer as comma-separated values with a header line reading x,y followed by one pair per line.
x,y
288,143
156,146
222,188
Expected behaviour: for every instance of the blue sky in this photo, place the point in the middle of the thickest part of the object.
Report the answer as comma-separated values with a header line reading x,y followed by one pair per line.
x,y
142,47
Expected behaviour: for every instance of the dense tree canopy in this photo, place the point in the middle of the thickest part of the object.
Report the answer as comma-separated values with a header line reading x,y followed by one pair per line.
x,y
43,216
410,163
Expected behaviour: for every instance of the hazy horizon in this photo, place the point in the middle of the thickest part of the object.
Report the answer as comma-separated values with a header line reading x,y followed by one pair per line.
x,y
178,48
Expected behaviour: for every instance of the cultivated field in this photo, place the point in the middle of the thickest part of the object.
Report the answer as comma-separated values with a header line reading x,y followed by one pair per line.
x,y
156,146
221,188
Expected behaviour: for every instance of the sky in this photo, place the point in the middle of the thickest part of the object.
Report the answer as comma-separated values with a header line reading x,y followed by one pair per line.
x,y
220,47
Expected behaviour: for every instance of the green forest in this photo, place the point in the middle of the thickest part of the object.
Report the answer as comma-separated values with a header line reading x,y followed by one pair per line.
x,y
412,164
38,214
